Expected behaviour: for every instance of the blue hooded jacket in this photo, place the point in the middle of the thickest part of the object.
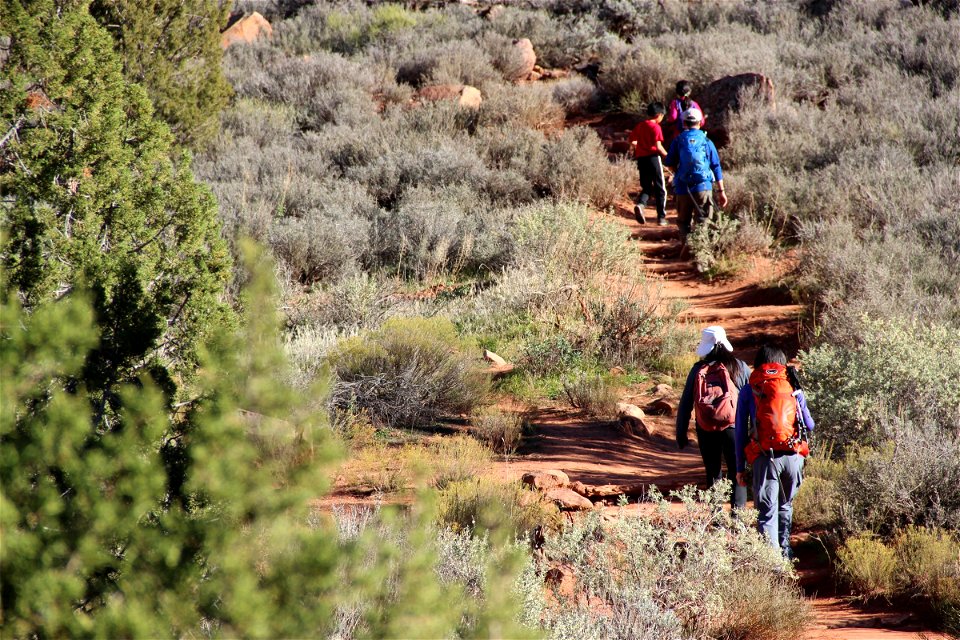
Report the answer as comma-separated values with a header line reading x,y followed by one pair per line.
x,y
697,162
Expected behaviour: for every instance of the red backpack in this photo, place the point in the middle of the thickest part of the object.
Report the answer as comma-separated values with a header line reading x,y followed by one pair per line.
x,y
714,398
777,422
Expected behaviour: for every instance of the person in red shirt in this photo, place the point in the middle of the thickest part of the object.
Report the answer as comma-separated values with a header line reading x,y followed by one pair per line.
x,y
646,142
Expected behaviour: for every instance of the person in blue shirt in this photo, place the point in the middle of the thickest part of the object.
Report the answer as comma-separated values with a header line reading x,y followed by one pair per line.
x,y
776,474
697,169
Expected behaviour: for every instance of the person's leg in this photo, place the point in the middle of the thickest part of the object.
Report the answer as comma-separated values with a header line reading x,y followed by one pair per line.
x,y
659,191
738,496
791,475
711,452
643,168
684,214
766,496
702,205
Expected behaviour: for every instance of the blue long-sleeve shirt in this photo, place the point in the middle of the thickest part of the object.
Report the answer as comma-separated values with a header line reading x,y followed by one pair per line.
x,y
673,160
685,408
747,415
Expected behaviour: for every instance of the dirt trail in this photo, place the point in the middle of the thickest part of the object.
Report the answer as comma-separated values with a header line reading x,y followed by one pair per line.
x,y
753,309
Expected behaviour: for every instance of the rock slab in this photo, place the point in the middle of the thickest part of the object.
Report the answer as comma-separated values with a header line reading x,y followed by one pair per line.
x,y
246,30
724,97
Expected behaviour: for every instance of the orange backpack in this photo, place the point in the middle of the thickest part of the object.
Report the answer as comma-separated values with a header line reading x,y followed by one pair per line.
x,y
715,398
777,426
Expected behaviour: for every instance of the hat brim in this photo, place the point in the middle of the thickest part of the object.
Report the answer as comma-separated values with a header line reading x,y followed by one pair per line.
x,y
704,348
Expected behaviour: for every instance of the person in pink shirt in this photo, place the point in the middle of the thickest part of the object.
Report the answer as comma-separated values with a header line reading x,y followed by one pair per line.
x,y
678,105
646,143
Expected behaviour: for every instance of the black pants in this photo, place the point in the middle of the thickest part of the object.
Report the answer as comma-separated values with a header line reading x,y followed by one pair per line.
x,y
652,183
715,447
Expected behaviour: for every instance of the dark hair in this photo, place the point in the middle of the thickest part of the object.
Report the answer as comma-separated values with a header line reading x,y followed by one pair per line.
x,y
724,356
684,88
769,353
655,109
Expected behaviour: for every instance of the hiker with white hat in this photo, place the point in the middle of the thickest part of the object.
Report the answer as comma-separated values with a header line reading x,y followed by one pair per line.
x,y
697,171
710,394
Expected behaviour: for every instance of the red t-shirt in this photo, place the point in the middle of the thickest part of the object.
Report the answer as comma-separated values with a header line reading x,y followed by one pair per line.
x,y
647,134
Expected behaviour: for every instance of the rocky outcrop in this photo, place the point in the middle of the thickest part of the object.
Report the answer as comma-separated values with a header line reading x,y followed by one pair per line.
x,y
245,30
464,95
568,499
723,97
545,480
526,59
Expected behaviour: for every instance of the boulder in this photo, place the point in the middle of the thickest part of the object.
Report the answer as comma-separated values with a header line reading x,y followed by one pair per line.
x,y
544,480
526,58
662,389
568,499
492,12
661,407
498,366
464,95
245,30
616,372
723,97
633,421
580,488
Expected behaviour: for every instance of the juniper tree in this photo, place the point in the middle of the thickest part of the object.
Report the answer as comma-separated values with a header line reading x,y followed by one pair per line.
x,y
93,546
92,199
172,48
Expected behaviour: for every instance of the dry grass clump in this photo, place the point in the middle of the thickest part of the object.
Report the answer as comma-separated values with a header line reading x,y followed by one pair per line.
x,y
409,372
594,394
485,504
500,430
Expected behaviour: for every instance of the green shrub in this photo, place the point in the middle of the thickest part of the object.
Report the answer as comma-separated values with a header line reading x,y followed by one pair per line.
x,y
500,430
817,504
905,368
484,504
551,355
409,372
723,245
913,479
869,565
929,559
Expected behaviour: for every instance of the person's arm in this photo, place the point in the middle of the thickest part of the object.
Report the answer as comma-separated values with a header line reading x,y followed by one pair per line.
x,y
714,159
741,430
660,149
685,408
805,412
673,155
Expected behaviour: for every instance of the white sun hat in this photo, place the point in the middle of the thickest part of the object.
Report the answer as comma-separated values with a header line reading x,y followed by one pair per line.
x,y
711,337
692,116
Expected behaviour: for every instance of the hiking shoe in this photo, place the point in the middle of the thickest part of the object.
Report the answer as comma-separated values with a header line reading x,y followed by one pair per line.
x,y
662,222
638,214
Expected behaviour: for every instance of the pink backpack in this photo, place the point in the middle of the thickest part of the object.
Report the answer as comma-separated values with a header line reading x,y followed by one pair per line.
x,y
715,398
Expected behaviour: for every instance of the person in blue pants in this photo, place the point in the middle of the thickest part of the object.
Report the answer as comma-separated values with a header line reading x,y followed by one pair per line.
x,y
777,474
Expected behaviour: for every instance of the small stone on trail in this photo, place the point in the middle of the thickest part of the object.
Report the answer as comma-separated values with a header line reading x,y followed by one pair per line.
x,y
569,500
662,389
633,421
490,356
661,407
